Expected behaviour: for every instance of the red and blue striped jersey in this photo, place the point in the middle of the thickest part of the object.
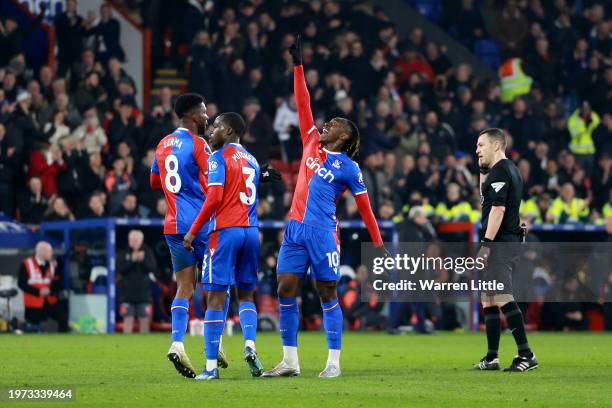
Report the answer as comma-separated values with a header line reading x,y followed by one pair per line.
x,y
238,172
324,175
181,160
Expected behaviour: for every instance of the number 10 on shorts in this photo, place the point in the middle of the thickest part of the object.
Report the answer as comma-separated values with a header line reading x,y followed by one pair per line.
x,y
333,258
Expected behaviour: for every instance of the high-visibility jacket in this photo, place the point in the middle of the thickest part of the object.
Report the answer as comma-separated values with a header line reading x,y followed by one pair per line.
x,y
513,80
581,141
460,211
38,279
475,216
575,211
606,211
530,209
427,208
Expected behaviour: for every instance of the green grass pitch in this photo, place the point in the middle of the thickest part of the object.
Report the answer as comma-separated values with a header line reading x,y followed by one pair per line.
x,y
378,371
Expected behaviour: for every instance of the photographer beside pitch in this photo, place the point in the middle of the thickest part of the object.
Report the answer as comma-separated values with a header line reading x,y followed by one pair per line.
x,y
500,195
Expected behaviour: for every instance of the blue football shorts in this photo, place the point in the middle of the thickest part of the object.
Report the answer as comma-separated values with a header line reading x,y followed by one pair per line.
x,y
181,257
305,246
232,258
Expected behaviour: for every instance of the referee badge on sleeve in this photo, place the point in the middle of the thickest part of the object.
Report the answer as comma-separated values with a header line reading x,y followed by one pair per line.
x,y
498,186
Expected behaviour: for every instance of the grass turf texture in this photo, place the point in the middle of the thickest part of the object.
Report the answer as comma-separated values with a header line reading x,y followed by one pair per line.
x,y
377,370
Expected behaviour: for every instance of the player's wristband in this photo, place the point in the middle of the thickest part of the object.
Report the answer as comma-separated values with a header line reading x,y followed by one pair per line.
x,y
486,242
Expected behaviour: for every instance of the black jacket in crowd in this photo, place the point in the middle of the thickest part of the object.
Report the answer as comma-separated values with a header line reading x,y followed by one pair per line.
x,y
32,208
134,285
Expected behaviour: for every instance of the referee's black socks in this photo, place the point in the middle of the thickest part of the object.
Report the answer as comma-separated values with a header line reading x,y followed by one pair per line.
x,y
493,327
514,317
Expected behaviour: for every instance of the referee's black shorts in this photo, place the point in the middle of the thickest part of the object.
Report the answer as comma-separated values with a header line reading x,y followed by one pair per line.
x,y
501,265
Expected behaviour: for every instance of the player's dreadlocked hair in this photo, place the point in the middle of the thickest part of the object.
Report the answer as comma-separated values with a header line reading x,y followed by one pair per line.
x,y
186,103
351,146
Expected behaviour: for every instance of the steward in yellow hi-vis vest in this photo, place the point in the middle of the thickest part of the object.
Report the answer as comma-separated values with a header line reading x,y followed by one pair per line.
x,y
529,209
453,208
513,80
567,208
581,126
606,214
454,211
427,208
607,211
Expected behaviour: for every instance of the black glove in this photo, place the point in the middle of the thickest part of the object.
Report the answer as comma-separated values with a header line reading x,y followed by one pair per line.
x,y
483,169
296,51
382,252
269,175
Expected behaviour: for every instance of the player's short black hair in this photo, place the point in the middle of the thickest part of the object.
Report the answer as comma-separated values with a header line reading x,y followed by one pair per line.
x,y
235,122
351,146
495,135
186,103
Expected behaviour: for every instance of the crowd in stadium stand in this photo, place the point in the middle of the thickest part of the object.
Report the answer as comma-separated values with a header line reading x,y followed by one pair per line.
x,y
75,143
79,137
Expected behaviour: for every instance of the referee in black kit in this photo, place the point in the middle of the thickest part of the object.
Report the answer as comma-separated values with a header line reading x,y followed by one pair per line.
x,y
500,194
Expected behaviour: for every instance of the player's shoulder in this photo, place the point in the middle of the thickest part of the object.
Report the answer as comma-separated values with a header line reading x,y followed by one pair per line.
x,y
238,151
217,156
199,143
349,164
166,138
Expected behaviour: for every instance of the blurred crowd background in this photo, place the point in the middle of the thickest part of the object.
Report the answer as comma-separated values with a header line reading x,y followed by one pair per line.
x,y
76,144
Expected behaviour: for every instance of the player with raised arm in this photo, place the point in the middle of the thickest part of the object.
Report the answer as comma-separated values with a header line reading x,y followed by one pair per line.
x,y
232,256
311,236
179,169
